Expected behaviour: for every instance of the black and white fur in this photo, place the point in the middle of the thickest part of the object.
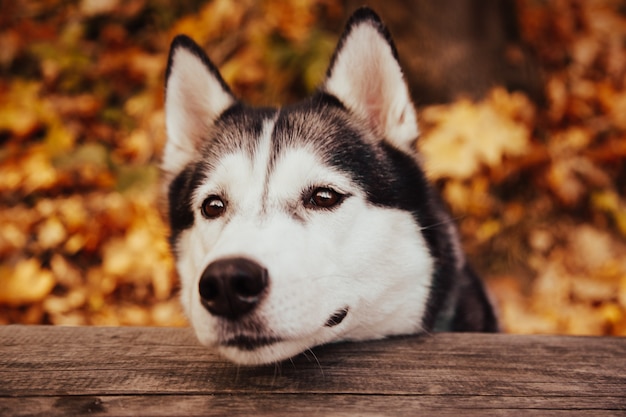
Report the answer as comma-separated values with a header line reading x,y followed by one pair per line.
x,y
310,223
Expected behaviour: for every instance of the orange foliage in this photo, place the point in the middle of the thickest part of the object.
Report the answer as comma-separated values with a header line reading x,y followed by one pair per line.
x,y
538,190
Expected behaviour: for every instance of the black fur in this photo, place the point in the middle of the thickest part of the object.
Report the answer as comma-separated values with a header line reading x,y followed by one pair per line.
x,y
180,212
393,179
390,177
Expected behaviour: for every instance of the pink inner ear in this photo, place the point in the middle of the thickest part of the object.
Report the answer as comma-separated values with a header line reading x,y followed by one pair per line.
x,y
194,98
367,78
374,111
370,89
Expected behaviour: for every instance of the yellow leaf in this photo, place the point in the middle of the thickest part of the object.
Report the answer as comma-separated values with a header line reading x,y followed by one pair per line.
x,y
610,202
38,171
51,233
488,229
612,313
215,19
26,283
19,108
11,237
591,247
465,136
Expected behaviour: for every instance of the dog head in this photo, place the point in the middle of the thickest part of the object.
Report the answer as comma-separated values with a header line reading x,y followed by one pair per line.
x,y
302,225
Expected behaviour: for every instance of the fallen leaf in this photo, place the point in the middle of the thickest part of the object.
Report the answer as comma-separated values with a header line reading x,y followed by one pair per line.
x,y
462,137
26,283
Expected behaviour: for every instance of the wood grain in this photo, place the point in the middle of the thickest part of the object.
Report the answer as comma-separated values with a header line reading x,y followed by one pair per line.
x,y
164,371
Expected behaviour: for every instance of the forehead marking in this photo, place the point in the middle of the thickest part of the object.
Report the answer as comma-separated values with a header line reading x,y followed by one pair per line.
x,y
262,158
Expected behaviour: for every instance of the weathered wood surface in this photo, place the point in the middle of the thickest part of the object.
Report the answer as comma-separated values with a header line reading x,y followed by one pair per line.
x,y
127,371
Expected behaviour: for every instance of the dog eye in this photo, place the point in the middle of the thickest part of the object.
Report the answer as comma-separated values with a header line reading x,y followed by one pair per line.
x,y
213,207
323,197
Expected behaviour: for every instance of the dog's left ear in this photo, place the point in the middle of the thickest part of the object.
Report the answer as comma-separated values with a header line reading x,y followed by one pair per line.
x,y
365,75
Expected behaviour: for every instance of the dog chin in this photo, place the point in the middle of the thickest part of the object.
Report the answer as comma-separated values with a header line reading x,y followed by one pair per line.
x,y
251,343
244,351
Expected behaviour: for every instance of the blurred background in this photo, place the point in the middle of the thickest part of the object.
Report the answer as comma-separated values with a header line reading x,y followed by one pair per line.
x,y
523,112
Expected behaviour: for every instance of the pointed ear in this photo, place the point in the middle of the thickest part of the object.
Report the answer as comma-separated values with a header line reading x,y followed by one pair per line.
x,y
195,96
365,75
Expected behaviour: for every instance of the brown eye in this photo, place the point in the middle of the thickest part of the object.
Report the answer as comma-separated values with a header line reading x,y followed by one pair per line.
x,y
213,207
324,197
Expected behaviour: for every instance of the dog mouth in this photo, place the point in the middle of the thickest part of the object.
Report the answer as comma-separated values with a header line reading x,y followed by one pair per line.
x,y
250,343
253,342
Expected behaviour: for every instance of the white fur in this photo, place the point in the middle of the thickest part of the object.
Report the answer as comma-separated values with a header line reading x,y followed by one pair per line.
x,y
367,78
371,260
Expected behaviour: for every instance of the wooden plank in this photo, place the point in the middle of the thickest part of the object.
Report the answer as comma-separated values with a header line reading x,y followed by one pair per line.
x,y
294,405
134,360
157,371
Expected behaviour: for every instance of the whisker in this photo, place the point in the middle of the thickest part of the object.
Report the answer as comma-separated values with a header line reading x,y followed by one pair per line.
x,y
449,220
319,365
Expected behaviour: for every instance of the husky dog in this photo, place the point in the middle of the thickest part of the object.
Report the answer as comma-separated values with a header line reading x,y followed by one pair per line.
x,y
314,222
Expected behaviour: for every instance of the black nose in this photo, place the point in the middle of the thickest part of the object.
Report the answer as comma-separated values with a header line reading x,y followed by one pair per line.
x,y
232,287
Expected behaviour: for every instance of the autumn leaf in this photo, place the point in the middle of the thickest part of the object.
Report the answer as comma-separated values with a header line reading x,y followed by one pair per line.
x,y
461,138
536,188
25,283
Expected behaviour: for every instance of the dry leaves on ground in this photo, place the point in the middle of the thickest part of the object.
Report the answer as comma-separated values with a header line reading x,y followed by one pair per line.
x,y
537,189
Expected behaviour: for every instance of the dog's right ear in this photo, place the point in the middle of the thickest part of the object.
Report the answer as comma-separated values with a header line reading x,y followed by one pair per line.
x,y
195,96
